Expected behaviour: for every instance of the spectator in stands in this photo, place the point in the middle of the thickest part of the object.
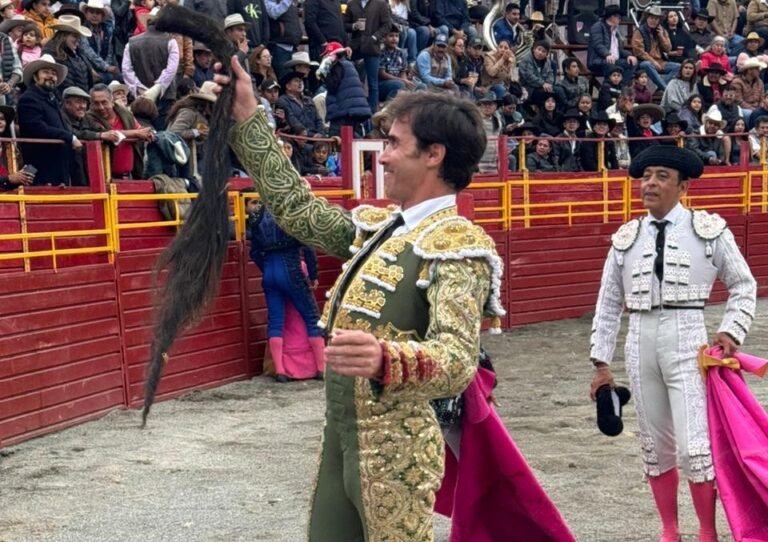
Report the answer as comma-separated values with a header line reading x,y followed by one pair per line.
x,y
399,14
345,103
757,18
728,106
680,88
39,12
710,87
624,105
369,25
260,63
381,122
186,68
572,85
758,139
317,161
127,157
748,86
419,17
270,91
254,13
393,67
300,112
499,67
124,23
753,48
75,105
29,45
620,143
588,153
682,45
548,119
585,106
716,54
524,135
692,113
711,149
7,9
144,111
457,53
190,116
472,76
492,124
434,66
649,44
611,87
643,94
98,48
672,125
701,35
10,67
605,46
64,47
452,18
759,112
285,32
541,159
301,63
536,73
725,20
641,122
737,126
565,154
203,63
41,118
10,181
512,117
508,27
119,93
13,28
150,64
324,23
236,30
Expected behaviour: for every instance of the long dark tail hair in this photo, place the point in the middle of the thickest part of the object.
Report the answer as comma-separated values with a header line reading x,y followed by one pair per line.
x,y
195,257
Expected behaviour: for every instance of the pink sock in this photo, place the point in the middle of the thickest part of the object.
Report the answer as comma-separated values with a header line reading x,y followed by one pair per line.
x,y
664,490
704,498
276,348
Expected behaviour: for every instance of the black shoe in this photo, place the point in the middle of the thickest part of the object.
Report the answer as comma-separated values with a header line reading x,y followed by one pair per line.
x,y
319,376
282,379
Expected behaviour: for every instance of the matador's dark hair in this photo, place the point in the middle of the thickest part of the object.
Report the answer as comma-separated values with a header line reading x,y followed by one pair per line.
x,y
195,257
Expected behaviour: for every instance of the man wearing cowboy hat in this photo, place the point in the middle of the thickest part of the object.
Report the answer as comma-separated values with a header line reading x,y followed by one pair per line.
x,y
203,63
300,62
606,47
710,87
98,48
640,123
673,125
300,111
150,63
40,118
701,35
649,44
254,13
492,125
711,149
661,268
748,86
565,154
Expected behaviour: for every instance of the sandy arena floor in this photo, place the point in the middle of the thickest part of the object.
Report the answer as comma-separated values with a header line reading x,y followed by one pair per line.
x,y
236,463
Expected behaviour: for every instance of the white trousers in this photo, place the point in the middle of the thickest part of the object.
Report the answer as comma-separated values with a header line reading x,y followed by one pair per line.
x,y
669,393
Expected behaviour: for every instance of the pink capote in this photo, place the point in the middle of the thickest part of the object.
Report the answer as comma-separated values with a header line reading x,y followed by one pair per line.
x,y
491,493
738,431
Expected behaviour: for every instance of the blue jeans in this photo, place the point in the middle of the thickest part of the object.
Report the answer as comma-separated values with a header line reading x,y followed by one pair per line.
x,y
279,57
735,45
388,88
371,65
409,43
670,70
422,38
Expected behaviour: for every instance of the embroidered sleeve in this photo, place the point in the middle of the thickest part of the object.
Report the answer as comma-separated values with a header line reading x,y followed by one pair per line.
x,y
733,270
445,362
610,305
308,218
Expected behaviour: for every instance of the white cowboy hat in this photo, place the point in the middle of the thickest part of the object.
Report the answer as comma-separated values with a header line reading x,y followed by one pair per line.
x,y
45,61
752,63
5,3
234,20
205,92
301,57
714,115
654,11
71,23
96,5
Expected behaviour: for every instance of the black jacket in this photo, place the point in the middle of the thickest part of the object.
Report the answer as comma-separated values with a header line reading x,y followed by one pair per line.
x,y
323,22
255,14
78,70
599,47
588,154
40,118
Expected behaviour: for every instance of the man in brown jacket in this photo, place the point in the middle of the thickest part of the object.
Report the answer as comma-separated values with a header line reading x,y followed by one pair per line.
x,y
748,86
369,25
649,44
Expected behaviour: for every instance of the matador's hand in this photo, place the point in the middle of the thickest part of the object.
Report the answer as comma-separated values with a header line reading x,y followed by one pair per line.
x,y
602,376
727,343
244,103
354,353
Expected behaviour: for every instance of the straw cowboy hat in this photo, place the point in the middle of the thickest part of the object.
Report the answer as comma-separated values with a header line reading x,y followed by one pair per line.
x,y
5,3
653,11
536,17
754,36
233,20
97,5
300,58
45,61
205,92
71,23
752,63
714,115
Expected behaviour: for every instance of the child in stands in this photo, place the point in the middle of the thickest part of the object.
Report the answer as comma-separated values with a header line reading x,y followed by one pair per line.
x,y
29,44
643,94
316,163
610,89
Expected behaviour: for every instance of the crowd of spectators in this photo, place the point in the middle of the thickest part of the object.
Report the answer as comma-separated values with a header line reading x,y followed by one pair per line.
x,y
99,70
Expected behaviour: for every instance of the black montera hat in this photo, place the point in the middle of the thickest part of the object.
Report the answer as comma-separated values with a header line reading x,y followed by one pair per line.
x,y
686,162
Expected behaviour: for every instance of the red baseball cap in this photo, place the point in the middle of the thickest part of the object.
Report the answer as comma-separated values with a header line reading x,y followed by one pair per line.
x,y
333,48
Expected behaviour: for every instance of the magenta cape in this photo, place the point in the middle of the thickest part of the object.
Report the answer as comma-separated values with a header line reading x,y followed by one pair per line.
x,y
738,431
491,493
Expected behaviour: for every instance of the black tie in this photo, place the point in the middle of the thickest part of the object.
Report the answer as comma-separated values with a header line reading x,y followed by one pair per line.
x,y
658,263
365,252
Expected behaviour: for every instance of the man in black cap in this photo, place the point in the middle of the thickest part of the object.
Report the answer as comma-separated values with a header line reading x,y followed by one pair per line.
x,y
606,47
661,267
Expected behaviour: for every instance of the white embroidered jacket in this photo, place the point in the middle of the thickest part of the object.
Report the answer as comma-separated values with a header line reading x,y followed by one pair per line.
x,y
699,248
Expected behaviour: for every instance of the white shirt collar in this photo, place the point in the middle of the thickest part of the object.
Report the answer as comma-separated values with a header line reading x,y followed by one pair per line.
x,y
673,217
413,215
